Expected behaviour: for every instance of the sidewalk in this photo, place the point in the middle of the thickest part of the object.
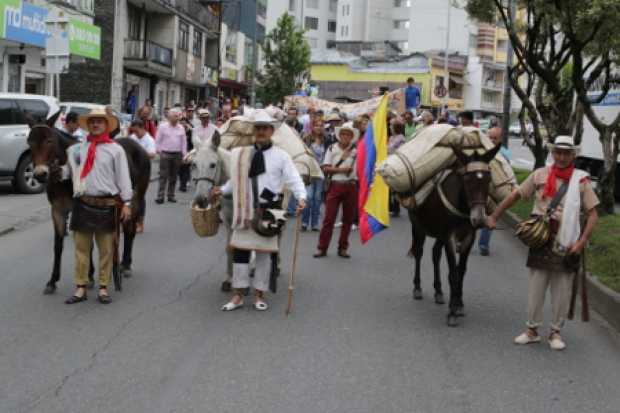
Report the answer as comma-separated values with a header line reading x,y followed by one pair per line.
x,y
18,211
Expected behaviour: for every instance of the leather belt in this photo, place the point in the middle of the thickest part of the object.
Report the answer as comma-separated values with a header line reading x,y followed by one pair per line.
x,y
349,182
100,201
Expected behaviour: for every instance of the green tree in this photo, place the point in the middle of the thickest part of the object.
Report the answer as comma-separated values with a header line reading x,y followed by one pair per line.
x,y
568,47
287,60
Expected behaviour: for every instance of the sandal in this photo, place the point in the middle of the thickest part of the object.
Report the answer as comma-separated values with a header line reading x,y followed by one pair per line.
x,y
74,299
260,305
343,254
103,298
232,306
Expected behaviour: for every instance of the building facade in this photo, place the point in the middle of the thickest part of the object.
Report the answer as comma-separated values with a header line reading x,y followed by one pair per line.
x,y
153,50
23,36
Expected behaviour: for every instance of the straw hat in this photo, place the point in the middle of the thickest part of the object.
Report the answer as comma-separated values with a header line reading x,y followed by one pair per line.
x,y
262,117
348,126
563,142
101,114
333,117
203,113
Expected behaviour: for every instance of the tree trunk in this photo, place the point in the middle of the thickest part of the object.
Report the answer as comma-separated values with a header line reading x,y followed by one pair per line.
x,y
607,182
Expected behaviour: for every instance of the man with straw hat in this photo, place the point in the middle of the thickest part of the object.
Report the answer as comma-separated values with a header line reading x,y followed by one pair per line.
x,y
259,174
101,181
554,265
205,131
339,166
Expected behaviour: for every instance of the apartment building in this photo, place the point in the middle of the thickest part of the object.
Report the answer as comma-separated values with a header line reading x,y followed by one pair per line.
x,y
318,17
160,50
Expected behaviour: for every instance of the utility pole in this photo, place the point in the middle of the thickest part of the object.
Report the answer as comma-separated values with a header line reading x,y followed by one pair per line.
x,y
512,9
446,68
254,60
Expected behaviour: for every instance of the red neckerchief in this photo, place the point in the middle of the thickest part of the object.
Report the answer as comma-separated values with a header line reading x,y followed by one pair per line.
x,y
554,173
90,156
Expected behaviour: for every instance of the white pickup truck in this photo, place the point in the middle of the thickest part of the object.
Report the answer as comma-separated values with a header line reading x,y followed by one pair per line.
x,y
591,156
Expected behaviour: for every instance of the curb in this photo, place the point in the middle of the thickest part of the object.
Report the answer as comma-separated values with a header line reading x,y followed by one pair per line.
x,y
4,231
603,299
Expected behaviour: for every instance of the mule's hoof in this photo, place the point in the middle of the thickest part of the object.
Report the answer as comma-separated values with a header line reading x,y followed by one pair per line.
x,y
126,272
439,299
226,287
452,320
459,311
417,294
49,289
90,284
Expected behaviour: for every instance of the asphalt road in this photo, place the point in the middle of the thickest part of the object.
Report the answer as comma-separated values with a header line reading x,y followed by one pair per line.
x,y
356,341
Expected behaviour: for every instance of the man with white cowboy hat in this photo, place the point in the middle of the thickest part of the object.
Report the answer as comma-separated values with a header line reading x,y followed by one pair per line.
x,y
339,167
258,177
204,131
554,265
101,181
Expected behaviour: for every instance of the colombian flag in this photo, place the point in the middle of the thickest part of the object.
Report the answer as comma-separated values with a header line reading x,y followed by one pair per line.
x,y
373,202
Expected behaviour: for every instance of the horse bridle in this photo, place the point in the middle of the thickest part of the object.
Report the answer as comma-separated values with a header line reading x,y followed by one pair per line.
x,y
470,168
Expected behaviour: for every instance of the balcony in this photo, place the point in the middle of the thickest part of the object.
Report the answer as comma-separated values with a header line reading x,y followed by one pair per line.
x,y
82,6
148,57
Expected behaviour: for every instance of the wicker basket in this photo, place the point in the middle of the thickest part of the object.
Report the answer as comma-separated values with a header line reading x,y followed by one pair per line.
x,y
206,221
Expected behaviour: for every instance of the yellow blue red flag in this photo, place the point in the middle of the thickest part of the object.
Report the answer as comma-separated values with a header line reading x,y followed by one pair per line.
x,y
373,200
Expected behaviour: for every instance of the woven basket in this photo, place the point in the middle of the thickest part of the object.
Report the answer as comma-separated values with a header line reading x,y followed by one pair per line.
x,y
206,221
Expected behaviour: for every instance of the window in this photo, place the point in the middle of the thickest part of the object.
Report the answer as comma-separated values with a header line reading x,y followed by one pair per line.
x,y
341,30
197,44
37,109
502,45
292,5
333,6
343,10
312,4
312,23
231,47
331,26
7,110
346,30
402,3
183,36
403,46
134,23
348,9
312,42
401,24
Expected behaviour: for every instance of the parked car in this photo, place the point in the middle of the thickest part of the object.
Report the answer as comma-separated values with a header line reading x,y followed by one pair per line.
x,y
15,159
82,108
514,130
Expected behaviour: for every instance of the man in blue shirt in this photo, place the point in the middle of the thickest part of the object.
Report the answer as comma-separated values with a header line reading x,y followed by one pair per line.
x,y
412,95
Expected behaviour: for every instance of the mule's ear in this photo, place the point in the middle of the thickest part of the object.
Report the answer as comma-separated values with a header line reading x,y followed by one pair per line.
x,y
490,154
51,122
216,140
460,155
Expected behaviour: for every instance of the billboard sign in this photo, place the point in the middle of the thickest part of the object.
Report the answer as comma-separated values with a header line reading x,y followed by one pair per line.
x,y
84,39
23,22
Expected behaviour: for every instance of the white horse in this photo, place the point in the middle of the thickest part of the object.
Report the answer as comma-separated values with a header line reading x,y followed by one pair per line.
x,y
212,168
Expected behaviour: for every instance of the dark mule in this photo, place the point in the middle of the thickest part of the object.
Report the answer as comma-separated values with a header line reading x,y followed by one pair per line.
x,y
452,212
48,146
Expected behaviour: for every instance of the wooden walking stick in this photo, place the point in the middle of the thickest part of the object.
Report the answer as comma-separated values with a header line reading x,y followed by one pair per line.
x,y
291,283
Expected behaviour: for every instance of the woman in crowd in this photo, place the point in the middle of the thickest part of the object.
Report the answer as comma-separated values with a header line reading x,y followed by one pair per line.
x,y
315,141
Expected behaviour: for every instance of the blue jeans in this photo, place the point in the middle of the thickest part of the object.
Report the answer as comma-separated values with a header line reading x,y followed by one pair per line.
x,y
485,238
292,205
312,212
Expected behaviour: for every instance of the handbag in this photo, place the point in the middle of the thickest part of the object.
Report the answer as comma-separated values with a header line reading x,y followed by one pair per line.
x,y
90,218
267,222
535,232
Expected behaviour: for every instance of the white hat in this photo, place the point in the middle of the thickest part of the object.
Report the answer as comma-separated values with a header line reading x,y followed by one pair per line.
x,y
563,142
348,126
261,117
203,113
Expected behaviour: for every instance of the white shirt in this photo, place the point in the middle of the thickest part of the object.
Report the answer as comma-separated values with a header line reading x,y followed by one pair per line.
x,y
280,171
147,142
333,156
200,134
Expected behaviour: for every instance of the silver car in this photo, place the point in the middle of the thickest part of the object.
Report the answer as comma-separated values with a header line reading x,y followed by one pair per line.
x,y
15,159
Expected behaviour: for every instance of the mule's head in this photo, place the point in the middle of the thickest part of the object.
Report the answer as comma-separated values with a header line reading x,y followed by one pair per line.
x,y
476,180
43,143
209,170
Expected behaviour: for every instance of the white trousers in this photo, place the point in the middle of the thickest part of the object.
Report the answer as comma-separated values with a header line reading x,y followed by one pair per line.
x,y
262,270
560,284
